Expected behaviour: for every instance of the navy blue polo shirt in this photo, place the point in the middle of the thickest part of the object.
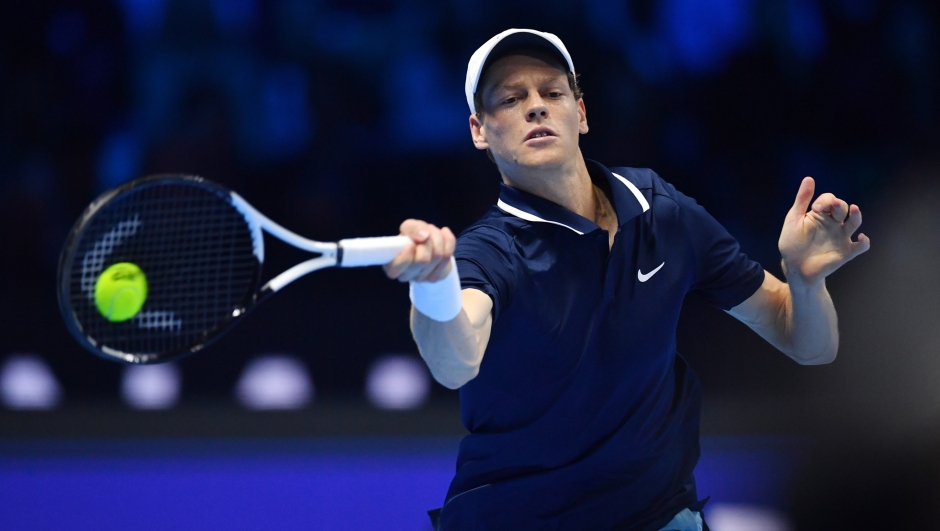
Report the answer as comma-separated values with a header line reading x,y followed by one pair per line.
x,y
583,416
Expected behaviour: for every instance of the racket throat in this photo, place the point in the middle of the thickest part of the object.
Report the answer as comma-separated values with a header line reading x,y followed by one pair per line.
x,y
263,294
299,270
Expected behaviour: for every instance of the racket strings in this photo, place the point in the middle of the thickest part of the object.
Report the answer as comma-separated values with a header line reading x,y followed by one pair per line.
x,y
93,260
196,251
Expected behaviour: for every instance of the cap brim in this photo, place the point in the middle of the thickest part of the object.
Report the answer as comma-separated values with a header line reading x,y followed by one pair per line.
x,y
506,43
523,41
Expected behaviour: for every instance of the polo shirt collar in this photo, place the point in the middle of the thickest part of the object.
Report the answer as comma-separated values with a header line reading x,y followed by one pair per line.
x,y
627,199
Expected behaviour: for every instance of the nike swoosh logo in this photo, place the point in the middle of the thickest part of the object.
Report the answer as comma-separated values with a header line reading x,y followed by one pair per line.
x,y
643,278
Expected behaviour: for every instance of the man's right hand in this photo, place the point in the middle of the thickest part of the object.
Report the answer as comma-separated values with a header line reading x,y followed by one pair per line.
x,y
428,258
452,349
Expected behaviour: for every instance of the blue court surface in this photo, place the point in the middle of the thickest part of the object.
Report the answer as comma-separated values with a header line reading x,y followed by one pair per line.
x,y
359,484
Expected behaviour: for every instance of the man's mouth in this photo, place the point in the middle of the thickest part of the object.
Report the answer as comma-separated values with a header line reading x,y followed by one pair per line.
x,y
539,133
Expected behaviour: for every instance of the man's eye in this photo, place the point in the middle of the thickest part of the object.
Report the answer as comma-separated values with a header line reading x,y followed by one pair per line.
x,y
555,94
509,100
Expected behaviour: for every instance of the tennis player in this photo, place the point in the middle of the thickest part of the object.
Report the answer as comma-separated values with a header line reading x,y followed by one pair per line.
x,y
555,314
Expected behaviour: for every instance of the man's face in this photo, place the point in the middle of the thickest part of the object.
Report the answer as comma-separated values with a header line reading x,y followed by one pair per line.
x,y
530,116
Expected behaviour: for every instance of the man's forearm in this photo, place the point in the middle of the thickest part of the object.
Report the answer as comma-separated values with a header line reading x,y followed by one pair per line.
x,y
451,349
797,318
809,323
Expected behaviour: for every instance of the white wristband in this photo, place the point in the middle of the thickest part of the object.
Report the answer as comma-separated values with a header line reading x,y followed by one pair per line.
x,y
441,300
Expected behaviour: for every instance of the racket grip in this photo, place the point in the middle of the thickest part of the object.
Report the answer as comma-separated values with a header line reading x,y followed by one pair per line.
x,y
360,252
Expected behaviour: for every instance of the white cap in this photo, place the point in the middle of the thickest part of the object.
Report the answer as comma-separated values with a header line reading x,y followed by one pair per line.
x,y
522,38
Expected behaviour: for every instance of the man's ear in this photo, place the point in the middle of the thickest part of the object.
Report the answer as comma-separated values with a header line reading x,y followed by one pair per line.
x,y
478,132
582,117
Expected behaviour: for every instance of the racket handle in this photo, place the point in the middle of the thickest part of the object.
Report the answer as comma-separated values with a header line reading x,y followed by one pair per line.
x,y
359,252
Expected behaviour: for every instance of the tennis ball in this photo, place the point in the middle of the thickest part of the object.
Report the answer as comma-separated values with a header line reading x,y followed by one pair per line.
x,y
120,291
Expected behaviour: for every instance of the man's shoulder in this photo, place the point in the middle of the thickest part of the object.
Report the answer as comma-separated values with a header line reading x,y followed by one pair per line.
x,y
494,223
495,229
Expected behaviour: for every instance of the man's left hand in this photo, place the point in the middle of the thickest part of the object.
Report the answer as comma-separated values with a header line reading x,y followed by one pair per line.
x,y
813,244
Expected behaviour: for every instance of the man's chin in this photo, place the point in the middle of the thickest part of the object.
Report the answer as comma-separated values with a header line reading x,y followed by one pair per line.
x,y
542,159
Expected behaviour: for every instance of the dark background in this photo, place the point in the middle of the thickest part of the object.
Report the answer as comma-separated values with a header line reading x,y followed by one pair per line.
x,y
343,118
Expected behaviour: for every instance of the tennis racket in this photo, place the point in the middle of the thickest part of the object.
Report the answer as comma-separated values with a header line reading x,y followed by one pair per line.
x,y
201,249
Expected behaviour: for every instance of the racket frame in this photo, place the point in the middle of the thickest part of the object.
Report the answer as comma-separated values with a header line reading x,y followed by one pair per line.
x,y
356,251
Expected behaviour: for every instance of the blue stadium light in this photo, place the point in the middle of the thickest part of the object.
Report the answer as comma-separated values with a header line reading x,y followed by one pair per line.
x,y
143,17
436,117
235,15
704,33
119,160
806,28
288,118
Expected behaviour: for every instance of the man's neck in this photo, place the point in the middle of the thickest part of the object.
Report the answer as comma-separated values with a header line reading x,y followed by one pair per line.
x,y
568,185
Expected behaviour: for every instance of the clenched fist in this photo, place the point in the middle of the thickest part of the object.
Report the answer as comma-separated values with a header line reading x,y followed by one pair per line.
x,y
428,258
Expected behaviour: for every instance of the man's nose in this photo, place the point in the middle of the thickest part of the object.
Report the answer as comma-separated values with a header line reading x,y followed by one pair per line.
x,y
537,108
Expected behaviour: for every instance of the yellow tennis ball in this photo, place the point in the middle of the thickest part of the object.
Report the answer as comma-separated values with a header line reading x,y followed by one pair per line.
x,y
120,291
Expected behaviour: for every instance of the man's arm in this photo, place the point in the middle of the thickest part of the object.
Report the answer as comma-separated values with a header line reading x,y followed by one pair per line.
x,y
798,317
452,349
800,322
